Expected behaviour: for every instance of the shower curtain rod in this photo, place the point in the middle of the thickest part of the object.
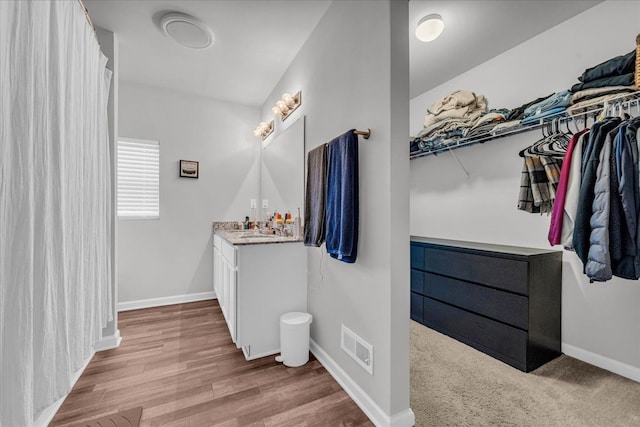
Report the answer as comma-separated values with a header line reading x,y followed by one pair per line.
x,y
86,14
365,133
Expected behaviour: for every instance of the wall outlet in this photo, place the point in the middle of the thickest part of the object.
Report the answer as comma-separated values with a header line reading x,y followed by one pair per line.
x,y
356,347
265,204
253,203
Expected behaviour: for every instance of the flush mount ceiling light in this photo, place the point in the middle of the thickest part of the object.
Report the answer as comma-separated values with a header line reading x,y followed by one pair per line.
x,y
187,30
429,27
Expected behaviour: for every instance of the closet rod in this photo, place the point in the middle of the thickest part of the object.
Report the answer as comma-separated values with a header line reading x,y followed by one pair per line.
x,y
86,15
626,101
365,133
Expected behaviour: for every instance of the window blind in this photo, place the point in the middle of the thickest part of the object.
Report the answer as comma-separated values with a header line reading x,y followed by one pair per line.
x,y
138,179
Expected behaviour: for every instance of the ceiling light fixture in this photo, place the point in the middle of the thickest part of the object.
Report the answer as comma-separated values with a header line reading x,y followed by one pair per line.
x,y
430,27
264,130
287,105
187,30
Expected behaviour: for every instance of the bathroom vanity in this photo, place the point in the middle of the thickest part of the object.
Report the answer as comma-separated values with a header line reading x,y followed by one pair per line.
x,y
257,278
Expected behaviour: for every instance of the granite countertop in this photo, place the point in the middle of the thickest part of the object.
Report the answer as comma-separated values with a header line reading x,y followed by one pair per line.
x,y
253,237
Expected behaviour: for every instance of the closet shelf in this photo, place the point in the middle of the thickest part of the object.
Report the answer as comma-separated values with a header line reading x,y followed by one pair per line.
x,y
624,103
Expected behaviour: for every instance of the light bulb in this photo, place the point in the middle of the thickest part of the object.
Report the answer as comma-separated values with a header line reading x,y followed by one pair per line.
x,y
288,99
263,125
282,106
276,111
256,132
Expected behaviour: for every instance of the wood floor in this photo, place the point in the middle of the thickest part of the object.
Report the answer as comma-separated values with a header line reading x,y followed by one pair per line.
x,y
179,364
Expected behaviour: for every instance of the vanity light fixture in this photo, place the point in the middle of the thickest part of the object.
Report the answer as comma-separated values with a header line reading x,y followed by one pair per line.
x,y
287,105
264,130
430,27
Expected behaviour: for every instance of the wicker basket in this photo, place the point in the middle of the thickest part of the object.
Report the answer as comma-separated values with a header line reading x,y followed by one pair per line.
x,y
637,76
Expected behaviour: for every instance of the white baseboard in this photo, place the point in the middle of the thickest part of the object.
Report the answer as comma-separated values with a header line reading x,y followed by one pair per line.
x,y
49,412
109,342
615,366
158,302
375,413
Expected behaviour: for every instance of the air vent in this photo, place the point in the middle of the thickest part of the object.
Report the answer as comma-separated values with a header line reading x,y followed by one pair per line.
x,y
360,350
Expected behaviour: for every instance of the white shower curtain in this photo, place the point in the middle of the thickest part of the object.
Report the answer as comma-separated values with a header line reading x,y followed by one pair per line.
x,y
55,203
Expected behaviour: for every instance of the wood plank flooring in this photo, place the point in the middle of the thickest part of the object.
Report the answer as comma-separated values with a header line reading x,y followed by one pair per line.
x,y
179,364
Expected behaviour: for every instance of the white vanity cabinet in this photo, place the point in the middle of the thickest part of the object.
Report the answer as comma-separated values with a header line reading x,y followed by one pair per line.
x,y
255,284
224,281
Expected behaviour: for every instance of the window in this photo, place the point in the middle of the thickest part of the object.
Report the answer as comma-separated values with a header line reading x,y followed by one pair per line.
x,y
138,179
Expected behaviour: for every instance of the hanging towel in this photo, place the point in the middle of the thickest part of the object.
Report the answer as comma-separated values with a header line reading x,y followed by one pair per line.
x,y
315,197
342,198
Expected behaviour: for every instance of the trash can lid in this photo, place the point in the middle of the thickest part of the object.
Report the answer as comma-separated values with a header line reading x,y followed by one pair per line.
x,y
296,318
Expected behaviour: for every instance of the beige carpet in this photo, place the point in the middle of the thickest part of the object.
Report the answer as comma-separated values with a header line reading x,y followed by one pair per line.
x,y
453,384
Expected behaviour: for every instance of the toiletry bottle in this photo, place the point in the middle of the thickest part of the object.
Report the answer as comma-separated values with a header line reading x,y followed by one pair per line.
x,y
246,223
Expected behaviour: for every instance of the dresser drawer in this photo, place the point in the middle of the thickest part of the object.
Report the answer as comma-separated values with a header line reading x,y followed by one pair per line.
x,y
503,306
417,281
417,257
494,338
502,273
417,307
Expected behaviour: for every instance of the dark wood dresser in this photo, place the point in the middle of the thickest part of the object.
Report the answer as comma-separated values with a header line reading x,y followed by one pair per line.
x,y
502,300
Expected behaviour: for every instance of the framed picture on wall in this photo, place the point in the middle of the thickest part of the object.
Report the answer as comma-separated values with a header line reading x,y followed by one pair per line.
x,y
189,169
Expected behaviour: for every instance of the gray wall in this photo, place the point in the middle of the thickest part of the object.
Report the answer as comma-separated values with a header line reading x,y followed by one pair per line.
x,y
351,78
599,321
172,256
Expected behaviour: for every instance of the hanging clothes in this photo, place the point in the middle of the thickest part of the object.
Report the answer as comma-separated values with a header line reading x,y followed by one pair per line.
x,y
557,214
573,192
590,162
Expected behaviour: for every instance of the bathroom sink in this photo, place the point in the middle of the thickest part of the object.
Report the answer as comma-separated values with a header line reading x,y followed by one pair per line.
x,y
253,235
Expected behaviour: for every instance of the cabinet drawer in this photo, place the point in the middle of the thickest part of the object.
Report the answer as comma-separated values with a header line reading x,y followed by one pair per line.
x,y
417,281
503,306
496,272
229,253
417,307
417,256
496,339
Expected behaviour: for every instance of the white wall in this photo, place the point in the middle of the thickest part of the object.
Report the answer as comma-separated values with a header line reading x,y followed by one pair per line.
x,y
172,256
600,322
351,78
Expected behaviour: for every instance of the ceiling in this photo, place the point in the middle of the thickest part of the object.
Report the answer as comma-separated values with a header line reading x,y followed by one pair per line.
x,y
476,31
256,40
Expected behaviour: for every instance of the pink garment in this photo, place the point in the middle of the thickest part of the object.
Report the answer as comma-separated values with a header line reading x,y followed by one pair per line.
x,y
557,214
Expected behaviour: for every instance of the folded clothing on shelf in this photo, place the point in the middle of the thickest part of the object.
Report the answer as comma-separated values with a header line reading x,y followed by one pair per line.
x,y
546,115
620,65
593,93
557,100
518,113
459,104
621,80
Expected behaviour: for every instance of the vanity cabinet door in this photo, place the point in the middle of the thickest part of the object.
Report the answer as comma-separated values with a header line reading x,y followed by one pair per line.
x,y
227,292
217,277
232,301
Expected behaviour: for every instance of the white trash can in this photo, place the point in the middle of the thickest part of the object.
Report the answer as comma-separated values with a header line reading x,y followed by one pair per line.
x,y
294,338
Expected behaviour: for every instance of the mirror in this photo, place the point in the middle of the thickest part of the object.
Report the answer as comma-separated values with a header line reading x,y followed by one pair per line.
x,y
282,173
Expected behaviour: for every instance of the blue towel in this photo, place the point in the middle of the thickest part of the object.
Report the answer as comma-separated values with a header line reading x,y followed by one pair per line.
x,y
342,209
